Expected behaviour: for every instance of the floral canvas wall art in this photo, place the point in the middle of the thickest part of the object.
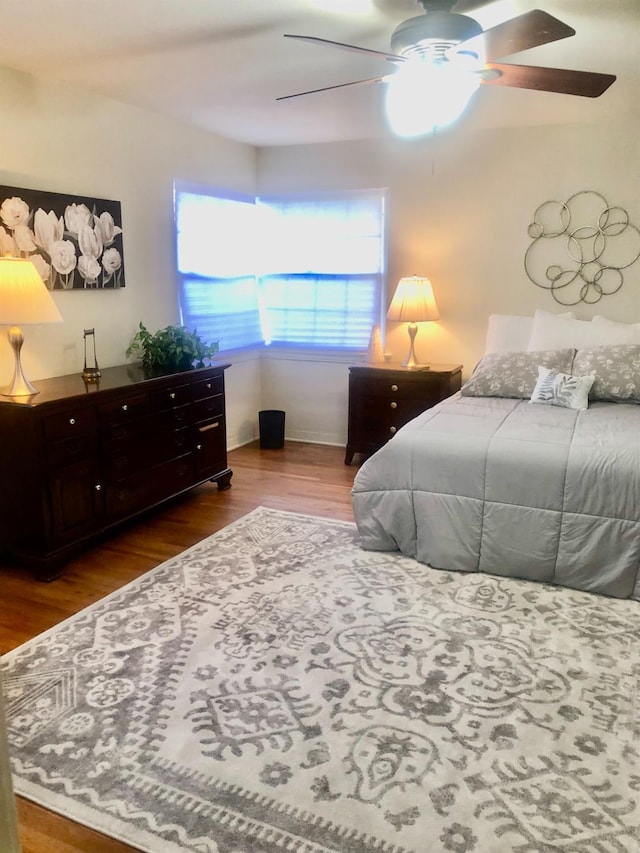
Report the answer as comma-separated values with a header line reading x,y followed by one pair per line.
x,y
75,242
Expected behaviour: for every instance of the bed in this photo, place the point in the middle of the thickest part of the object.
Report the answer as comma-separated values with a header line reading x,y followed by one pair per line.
x,y
532,470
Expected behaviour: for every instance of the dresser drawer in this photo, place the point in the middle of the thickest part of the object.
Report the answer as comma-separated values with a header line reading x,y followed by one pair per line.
x,y
210,447
170,397
208,387
145,449
133,493
70,436
69,424
124,410
210,407
70,450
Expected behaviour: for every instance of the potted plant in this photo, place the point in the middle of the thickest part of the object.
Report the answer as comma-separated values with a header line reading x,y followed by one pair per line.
x,y
170,350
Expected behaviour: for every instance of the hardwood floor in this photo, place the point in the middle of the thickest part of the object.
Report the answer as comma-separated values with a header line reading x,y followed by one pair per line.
x,y
303,478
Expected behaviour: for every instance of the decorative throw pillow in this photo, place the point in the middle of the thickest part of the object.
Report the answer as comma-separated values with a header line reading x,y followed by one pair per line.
x,y
561,389
513,374
616,369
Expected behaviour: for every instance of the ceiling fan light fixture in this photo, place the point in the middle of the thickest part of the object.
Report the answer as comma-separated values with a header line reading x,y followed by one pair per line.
x,y
424,96
435,26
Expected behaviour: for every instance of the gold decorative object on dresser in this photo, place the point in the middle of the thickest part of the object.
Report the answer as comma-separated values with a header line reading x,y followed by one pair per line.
x,y
384,397
81,457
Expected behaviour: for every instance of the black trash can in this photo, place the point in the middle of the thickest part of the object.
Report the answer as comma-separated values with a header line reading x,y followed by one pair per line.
x,y
271,429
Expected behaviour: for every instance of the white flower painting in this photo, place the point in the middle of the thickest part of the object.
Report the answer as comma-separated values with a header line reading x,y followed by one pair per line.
x,y
75,243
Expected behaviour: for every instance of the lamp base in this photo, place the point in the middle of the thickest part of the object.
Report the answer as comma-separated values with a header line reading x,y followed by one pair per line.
x,y
411,362
20,385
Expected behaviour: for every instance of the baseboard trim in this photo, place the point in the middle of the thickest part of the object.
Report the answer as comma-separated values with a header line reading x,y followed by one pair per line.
x,y
289,438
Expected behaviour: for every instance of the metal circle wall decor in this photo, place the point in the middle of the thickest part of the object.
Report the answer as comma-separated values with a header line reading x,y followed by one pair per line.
x,y
580,248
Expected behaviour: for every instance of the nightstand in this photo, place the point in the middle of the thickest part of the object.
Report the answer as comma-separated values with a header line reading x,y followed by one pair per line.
x,y
384,397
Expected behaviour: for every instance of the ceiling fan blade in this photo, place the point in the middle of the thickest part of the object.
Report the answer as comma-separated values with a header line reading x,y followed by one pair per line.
x,y
586,83
339,86
526,31
378,54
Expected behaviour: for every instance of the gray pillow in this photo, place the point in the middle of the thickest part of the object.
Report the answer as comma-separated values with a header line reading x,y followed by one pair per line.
x,y
616,369
514,374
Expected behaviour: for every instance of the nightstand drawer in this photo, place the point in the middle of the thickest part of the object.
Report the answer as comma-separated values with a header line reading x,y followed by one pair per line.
x,y
380,387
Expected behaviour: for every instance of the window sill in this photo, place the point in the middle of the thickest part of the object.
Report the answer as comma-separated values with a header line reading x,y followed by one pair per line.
x,y
339,356
283,353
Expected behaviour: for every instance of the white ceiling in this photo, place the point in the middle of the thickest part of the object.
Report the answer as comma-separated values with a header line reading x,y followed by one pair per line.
x,y
220,64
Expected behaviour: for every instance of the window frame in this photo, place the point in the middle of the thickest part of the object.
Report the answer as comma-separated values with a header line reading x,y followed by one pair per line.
x,y
285,349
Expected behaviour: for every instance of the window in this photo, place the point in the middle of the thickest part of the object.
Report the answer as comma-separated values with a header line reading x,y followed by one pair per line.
x,y
292,271
323,266
218,285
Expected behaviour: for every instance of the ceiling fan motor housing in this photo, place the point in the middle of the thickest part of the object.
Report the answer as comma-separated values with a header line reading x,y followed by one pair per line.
x,y
445,28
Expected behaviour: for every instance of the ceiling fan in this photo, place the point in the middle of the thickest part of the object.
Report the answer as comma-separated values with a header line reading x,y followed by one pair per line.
x,y
444,40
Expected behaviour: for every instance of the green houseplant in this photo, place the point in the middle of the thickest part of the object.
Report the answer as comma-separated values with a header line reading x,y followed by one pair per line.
x,y
170,350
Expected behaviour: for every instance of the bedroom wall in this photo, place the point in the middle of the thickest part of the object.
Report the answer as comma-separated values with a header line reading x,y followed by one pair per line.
x,y
60,139
459,207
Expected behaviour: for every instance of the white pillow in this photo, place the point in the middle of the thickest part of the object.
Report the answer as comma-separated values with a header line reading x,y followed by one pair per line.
x,y
510,332
550,331
631,330
562,389
507,333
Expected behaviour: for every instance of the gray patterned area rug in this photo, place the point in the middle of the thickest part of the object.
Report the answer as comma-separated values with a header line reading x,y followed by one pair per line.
x,y
275,688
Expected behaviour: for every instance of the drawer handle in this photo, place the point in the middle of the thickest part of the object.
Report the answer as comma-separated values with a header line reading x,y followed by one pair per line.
x,y
125,408
198,447
209,426
394,387
392,429
394,405
209,385
173,395
98,487
72,421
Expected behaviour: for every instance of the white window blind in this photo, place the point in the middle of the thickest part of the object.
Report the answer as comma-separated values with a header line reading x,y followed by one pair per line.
x,y
323,265
302,272
216,269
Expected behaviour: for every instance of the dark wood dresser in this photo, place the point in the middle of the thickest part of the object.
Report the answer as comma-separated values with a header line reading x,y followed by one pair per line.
x,y
79,457
384,397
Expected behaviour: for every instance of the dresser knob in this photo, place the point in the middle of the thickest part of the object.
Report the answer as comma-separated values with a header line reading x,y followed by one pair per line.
x,y
98,487
393,405
392,429
173,395
198,447
394,387
72,421
125,407
209,385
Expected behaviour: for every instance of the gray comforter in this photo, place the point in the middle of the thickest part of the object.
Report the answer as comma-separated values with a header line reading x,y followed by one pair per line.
x,y
511,488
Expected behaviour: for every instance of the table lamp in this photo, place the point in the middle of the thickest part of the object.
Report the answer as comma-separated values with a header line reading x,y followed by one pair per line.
x,y
413,303
24,301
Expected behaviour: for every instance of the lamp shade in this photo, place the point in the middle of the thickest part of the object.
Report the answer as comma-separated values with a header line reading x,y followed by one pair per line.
x,y
24,298
413,301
